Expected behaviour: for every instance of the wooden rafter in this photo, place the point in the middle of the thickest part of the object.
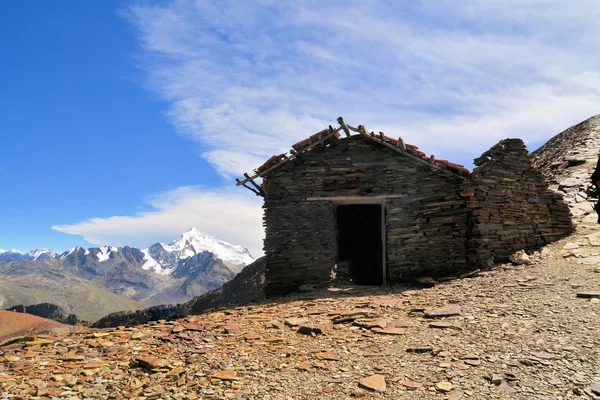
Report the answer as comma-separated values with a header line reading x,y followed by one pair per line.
x,y
294,155
364,132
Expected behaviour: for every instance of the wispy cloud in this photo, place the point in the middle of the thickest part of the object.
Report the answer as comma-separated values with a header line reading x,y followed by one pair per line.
x,y
247,79
228,214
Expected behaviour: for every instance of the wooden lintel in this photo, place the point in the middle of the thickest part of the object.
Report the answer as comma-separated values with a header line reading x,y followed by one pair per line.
x,y
357,199
260,190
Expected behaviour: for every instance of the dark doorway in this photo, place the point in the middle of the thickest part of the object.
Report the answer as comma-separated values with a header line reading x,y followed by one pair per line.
x,y
359,242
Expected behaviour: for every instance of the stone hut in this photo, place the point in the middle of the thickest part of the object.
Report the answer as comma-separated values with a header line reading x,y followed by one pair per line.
x,y
374,210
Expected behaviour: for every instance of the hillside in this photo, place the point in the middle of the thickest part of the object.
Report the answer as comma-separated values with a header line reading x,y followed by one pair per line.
x,y
245,288
568,159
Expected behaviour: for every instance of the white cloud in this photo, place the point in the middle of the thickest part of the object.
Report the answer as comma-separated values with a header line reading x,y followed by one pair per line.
x,y
229,214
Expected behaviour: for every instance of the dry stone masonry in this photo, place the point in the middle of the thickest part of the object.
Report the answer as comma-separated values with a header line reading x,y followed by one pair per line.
x,y
374,210
510,206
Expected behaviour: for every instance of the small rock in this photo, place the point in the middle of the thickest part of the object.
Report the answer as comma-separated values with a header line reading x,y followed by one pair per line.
x,y
588,295
444,386
496,379
74,357
374,382
293,322
151,362
225,375
444,325
506,388
528,362
447,311
412,384
422,349
520,258
544,356
304,366
328,355
595,388
310,330
390,331
231,329
274,324
194,326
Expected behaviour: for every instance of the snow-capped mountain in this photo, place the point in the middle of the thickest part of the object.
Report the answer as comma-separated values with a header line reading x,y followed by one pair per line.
x,y
189,266
163,258
41,254
37,254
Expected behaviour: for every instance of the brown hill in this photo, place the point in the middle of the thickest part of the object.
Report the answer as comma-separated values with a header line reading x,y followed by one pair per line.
x,y
13,324
245,288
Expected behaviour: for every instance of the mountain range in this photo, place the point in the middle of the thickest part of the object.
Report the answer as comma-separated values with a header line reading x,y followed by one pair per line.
x,y
96,281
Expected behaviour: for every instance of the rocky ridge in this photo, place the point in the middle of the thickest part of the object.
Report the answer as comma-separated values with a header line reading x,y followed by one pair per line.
x,y
567,161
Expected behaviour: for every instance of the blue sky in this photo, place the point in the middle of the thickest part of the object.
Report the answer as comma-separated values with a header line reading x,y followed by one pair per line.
x,y
125,121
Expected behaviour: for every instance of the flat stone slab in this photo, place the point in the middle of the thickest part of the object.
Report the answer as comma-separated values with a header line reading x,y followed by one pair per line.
x,y
589,295
293,322
310,329
447,311
390,331
444,325
374,382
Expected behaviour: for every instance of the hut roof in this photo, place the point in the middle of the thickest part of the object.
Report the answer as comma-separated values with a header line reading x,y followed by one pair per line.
x,y
331,135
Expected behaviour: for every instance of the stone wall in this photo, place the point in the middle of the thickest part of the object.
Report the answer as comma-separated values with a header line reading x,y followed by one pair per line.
x,y
426,230
425,214
510,205
437,223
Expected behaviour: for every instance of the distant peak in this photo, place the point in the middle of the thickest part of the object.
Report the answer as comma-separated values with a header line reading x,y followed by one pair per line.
x,y
196,231
11,251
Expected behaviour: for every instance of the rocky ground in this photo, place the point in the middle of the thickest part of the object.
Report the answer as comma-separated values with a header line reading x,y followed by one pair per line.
x,y
512,332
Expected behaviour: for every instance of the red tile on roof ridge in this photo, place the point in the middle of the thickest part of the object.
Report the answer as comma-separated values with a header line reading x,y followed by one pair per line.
x,y
410,148
303,144
270,162
414,149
